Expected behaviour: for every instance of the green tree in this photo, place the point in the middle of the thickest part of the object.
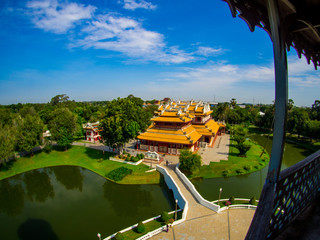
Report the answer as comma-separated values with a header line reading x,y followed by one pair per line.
x,y
315,110
312,129
59,99
122,121
233,102
243,148
220,112
296,120
7,143
63,126
30,129
189,162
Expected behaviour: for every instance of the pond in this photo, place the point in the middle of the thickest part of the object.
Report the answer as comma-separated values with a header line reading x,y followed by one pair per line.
x,y
249,185
74,203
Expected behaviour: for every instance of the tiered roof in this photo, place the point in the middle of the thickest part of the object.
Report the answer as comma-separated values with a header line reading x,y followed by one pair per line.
x,y
208,128
172,115
91,126
181,112
187,135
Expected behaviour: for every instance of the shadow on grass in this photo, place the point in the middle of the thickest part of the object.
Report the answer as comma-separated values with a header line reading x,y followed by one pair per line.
x,y
233,154
7,165
97,154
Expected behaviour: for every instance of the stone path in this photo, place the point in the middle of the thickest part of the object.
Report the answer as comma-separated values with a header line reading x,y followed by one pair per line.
x,y
220,151
203,223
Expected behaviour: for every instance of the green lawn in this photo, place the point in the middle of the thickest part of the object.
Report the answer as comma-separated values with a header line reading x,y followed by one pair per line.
x,y
88,158
150,226
235,165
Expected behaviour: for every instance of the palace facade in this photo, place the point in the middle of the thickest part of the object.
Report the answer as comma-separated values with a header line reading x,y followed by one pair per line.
x,y
179,125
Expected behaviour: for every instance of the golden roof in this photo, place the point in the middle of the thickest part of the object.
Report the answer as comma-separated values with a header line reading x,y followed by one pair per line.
x,y
211,127
203,114
187,135
181,119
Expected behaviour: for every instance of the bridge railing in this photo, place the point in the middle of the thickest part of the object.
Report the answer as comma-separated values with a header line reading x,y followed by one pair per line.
x,y
297,187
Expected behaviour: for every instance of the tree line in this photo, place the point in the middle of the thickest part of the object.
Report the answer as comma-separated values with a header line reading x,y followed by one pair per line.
x,y
22,125
303,121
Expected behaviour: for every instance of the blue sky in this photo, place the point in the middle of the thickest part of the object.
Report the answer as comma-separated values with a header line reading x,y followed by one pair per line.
x,y
104,49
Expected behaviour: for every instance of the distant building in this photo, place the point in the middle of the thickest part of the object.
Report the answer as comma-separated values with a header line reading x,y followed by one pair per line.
x,y
92,132
179,125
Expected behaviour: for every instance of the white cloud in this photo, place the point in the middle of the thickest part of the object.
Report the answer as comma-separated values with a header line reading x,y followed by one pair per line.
x,y
111,32
134,4
243,82
208,51
127,36
52,16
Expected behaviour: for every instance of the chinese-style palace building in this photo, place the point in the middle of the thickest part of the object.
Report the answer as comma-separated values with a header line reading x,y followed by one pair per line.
x,y
92,132
179,125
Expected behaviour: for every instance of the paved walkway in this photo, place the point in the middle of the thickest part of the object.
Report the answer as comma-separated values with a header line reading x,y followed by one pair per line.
x,y
220,150
203,223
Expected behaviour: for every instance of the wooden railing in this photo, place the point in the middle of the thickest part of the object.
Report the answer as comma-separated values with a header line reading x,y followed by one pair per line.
x,y
297,188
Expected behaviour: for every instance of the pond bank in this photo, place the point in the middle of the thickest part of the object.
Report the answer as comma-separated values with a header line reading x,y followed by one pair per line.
x,y
91,159
235,165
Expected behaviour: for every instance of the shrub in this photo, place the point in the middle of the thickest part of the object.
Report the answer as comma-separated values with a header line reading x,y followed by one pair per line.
x,y
119,173
231,199
165,217
141,156
243,148
119,236
132,158
128,158
253,201
47,148
189,162
226,173
239,171
141,228
247,168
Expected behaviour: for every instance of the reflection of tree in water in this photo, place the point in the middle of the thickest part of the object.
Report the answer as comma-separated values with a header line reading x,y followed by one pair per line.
x,y
11,198
70,177
36,229
130,198
38,185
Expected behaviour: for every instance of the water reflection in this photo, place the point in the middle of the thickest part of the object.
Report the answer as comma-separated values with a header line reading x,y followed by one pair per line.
x,y
249,185
125,196
36,229
38,185
70,177
11,198
61,199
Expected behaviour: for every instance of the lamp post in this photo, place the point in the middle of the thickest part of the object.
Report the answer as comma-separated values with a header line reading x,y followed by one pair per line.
x,y
175,217
220,190
99,236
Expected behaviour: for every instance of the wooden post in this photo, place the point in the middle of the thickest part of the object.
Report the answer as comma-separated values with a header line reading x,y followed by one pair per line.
x,y
260,223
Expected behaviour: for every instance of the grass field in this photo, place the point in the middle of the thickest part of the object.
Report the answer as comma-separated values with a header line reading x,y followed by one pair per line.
x,y
88,158
150,226
235,165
